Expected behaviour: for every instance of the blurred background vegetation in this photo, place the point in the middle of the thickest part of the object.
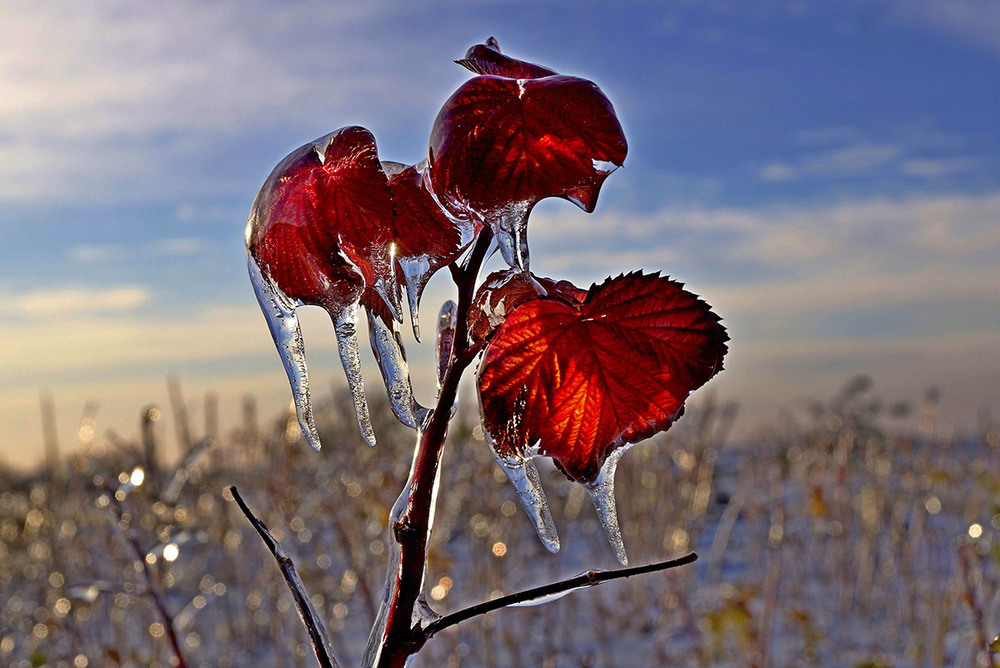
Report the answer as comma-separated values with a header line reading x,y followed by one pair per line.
x,y
855,534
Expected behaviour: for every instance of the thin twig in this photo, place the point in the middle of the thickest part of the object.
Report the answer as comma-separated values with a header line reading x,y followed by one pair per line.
x,y
588,579
310,618
151,588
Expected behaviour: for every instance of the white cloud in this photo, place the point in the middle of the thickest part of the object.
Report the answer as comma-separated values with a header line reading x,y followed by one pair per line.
x,y
972,21
101,99
180,246
159,248
916,253
61,302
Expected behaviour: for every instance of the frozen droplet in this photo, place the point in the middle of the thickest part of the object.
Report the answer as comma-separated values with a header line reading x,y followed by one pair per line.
x,y
447,321
602,492
524,476
416,273
510,228
604,166
423,613
391,358
279,311
346,325
548,598
386,288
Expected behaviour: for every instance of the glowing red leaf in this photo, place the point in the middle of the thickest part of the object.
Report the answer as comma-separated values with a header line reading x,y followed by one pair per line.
x,y
583,379
487,59
500,142
322,224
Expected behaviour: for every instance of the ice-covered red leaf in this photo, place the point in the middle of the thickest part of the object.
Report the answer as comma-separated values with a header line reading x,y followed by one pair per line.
x,y
580,380
501,144
487,59
500,141
322,232
322,223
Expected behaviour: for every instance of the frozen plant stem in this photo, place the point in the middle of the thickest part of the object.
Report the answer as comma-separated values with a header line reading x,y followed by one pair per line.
x,y
399,638
310,618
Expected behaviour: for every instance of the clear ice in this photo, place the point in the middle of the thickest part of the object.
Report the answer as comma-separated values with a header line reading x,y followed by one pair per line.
x,y
510,228
548,598
346,325
447,320
391,358
602,492
523,475
279,311
416,273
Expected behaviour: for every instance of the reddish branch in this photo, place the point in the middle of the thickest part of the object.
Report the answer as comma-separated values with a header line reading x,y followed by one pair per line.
x,y
412,531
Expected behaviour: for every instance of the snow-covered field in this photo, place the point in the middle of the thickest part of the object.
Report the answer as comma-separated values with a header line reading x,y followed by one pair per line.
x,y
839,541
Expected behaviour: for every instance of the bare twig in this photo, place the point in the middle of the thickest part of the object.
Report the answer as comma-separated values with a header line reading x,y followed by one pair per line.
x,y
310,618
552,590
154,592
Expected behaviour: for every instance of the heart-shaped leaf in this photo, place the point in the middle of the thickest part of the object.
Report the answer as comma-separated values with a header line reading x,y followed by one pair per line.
x,y
487,59
501,144
579,380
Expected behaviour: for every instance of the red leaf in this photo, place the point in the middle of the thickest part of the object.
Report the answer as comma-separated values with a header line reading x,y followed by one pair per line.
x,y
322,223
487,59
426,238
500,142
504,291
583,379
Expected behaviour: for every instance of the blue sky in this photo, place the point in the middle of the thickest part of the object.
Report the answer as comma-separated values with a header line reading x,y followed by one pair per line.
x,y
826,174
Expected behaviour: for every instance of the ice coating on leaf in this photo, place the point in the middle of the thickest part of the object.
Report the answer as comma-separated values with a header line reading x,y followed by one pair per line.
x,y
510,227
279,311
504,291
579,376
447,320
602,492
321,232
427,237
523,475
346,326
500,144
391,358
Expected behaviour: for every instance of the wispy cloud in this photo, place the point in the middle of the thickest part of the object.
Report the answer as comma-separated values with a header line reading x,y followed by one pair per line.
x,y
160,248
101,100
68,301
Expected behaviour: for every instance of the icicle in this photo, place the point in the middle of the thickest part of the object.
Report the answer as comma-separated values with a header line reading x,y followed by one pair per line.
x,y
602,491
416,273
345,323
279,311
387,289
391,360
524,476
511,231
447,320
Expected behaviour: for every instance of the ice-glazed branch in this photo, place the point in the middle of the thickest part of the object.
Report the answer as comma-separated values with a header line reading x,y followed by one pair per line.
x,y
310,618
552,591
395,637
